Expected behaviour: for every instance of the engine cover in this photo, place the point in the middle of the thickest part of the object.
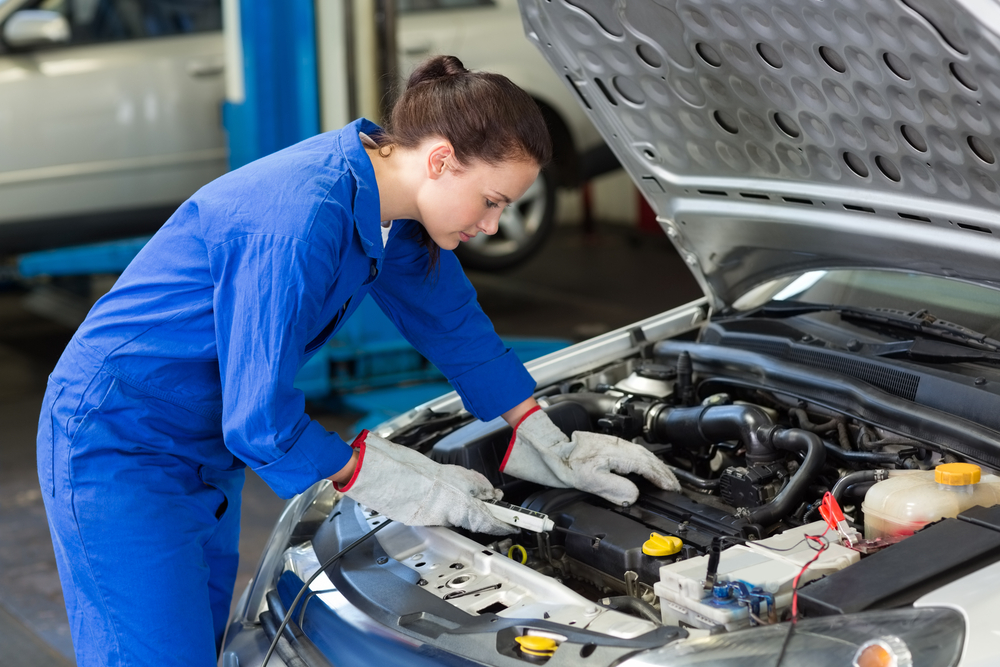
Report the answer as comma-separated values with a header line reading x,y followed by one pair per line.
x,y
609,540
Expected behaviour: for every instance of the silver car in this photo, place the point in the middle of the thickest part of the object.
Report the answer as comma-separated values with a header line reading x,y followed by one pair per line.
x,y
110,116
831,406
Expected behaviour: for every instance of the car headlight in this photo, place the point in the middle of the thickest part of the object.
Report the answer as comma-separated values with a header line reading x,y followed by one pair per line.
x,y
297,523
898,638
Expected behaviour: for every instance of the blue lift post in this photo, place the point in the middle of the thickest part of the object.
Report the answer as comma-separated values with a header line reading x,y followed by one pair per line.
x,y
280,104
368,366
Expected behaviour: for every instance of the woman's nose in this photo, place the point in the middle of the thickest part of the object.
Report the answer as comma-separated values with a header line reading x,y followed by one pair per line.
x,y
491,223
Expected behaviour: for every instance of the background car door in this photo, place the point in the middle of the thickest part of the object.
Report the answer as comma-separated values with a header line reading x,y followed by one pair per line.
x,y
430,27
122,122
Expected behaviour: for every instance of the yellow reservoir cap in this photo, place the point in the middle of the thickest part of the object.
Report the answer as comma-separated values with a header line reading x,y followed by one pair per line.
x,y
957,474
661,545
540,646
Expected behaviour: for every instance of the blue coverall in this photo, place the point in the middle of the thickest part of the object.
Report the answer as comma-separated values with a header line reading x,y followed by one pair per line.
x,y
183,374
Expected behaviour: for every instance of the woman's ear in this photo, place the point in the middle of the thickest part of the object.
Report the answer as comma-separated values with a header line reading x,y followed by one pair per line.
x,y
440,159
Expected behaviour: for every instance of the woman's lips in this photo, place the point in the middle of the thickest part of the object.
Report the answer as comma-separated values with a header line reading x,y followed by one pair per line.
x,y
464,236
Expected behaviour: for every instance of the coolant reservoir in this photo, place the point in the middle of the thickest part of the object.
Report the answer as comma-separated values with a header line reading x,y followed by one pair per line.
x,y
900,506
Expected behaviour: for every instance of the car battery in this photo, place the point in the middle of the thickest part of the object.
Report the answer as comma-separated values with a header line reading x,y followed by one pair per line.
x,y
755,578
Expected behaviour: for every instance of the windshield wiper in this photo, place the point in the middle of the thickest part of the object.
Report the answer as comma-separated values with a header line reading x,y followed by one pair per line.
x,y
920,321
931,351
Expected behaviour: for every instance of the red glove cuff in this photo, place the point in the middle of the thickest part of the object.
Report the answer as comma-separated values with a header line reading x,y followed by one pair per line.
x,y
513,436
359,443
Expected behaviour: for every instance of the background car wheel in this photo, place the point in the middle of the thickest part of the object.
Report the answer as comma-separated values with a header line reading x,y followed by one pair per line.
x,y
524,227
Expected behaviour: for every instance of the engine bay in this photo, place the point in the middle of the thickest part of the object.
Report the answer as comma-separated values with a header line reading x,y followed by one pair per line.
x,y
761,431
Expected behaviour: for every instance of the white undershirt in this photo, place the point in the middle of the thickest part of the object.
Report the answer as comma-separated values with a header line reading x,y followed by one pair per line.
x,y
386,226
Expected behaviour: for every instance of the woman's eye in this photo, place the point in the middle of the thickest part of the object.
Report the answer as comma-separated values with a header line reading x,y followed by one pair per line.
x,y
491,204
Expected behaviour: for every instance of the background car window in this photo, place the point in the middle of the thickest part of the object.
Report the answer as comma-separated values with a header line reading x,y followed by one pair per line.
x,y
405,6
115,20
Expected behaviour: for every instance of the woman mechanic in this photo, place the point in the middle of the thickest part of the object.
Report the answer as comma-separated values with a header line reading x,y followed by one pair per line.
x,y
183,373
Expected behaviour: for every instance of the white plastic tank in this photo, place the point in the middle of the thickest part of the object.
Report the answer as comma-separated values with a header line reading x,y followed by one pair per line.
x,y
900,506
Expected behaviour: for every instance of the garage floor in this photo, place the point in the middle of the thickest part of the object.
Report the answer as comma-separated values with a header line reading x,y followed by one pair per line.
x,y
578,286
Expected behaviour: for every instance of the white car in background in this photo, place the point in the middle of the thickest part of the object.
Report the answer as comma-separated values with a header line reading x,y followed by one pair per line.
x,y
110,114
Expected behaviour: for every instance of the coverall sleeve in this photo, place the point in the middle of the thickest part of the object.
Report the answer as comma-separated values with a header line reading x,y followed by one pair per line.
x,y
437,312
269,292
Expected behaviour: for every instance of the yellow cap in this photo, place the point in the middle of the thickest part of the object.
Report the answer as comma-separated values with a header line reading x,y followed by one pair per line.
x,y
661,545
957,474
540,646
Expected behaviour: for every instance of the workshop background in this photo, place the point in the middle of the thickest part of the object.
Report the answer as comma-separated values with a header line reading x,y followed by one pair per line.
x,y
113,112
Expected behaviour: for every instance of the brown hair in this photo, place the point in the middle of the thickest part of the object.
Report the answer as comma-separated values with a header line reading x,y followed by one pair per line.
x,y
483,115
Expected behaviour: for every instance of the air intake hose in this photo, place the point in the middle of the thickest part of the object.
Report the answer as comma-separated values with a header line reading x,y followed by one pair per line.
x,y
792,440
698,426
764,442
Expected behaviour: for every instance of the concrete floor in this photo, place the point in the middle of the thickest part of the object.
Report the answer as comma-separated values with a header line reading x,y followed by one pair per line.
x,y
579,285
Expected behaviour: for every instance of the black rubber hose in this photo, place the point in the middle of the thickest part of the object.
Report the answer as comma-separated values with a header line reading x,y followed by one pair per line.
x,y
693,427
792,440
628,603
751,426
856,491
855,478
597,405
805,423
685,384
861,457
693,480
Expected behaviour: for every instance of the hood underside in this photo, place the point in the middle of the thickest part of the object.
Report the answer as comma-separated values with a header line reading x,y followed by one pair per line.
x,y
778,137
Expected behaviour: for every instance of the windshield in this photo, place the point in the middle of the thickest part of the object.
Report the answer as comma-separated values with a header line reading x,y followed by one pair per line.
x,y
972,306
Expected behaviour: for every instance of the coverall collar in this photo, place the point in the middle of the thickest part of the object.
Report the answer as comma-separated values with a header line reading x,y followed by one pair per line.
x,y
367,209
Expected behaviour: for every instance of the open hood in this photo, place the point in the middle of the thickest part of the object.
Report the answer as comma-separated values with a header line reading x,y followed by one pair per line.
x,y
773,138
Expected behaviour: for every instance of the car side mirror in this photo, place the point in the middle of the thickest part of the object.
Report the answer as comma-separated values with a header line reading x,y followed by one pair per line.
x,y
35,27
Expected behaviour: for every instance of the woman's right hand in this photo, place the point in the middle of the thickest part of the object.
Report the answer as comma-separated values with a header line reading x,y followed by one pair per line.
x,y
408,487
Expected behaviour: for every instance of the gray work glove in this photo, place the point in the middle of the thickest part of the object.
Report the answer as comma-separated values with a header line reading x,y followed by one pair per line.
x,y
408,487
540,452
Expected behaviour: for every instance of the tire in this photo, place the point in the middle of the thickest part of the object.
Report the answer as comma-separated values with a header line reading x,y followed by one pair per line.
x,y
524,226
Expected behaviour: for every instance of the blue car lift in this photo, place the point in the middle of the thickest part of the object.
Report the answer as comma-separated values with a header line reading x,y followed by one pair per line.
x,y
273,101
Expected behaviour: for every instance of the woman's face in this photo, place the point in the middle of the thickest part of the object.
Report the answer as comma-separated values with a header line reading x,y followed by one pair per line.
x,y
460,201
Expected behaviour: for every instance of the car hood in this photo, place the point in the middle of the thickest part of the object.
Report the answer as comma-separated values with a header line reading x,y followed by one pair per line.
x,y
773,138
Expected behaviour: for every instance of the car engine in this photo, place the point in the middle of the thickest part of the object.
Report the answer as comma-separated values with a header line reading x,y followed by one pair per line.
x,y
758,429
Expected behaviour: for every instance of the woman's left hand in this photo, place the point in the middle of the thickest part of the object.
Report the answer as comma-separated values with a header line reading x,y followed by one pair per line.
x,y
540,452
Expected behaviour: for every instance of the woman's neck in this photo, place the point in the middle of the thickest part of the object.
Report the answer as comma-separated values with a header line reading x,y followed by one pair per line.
x,y
396,191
